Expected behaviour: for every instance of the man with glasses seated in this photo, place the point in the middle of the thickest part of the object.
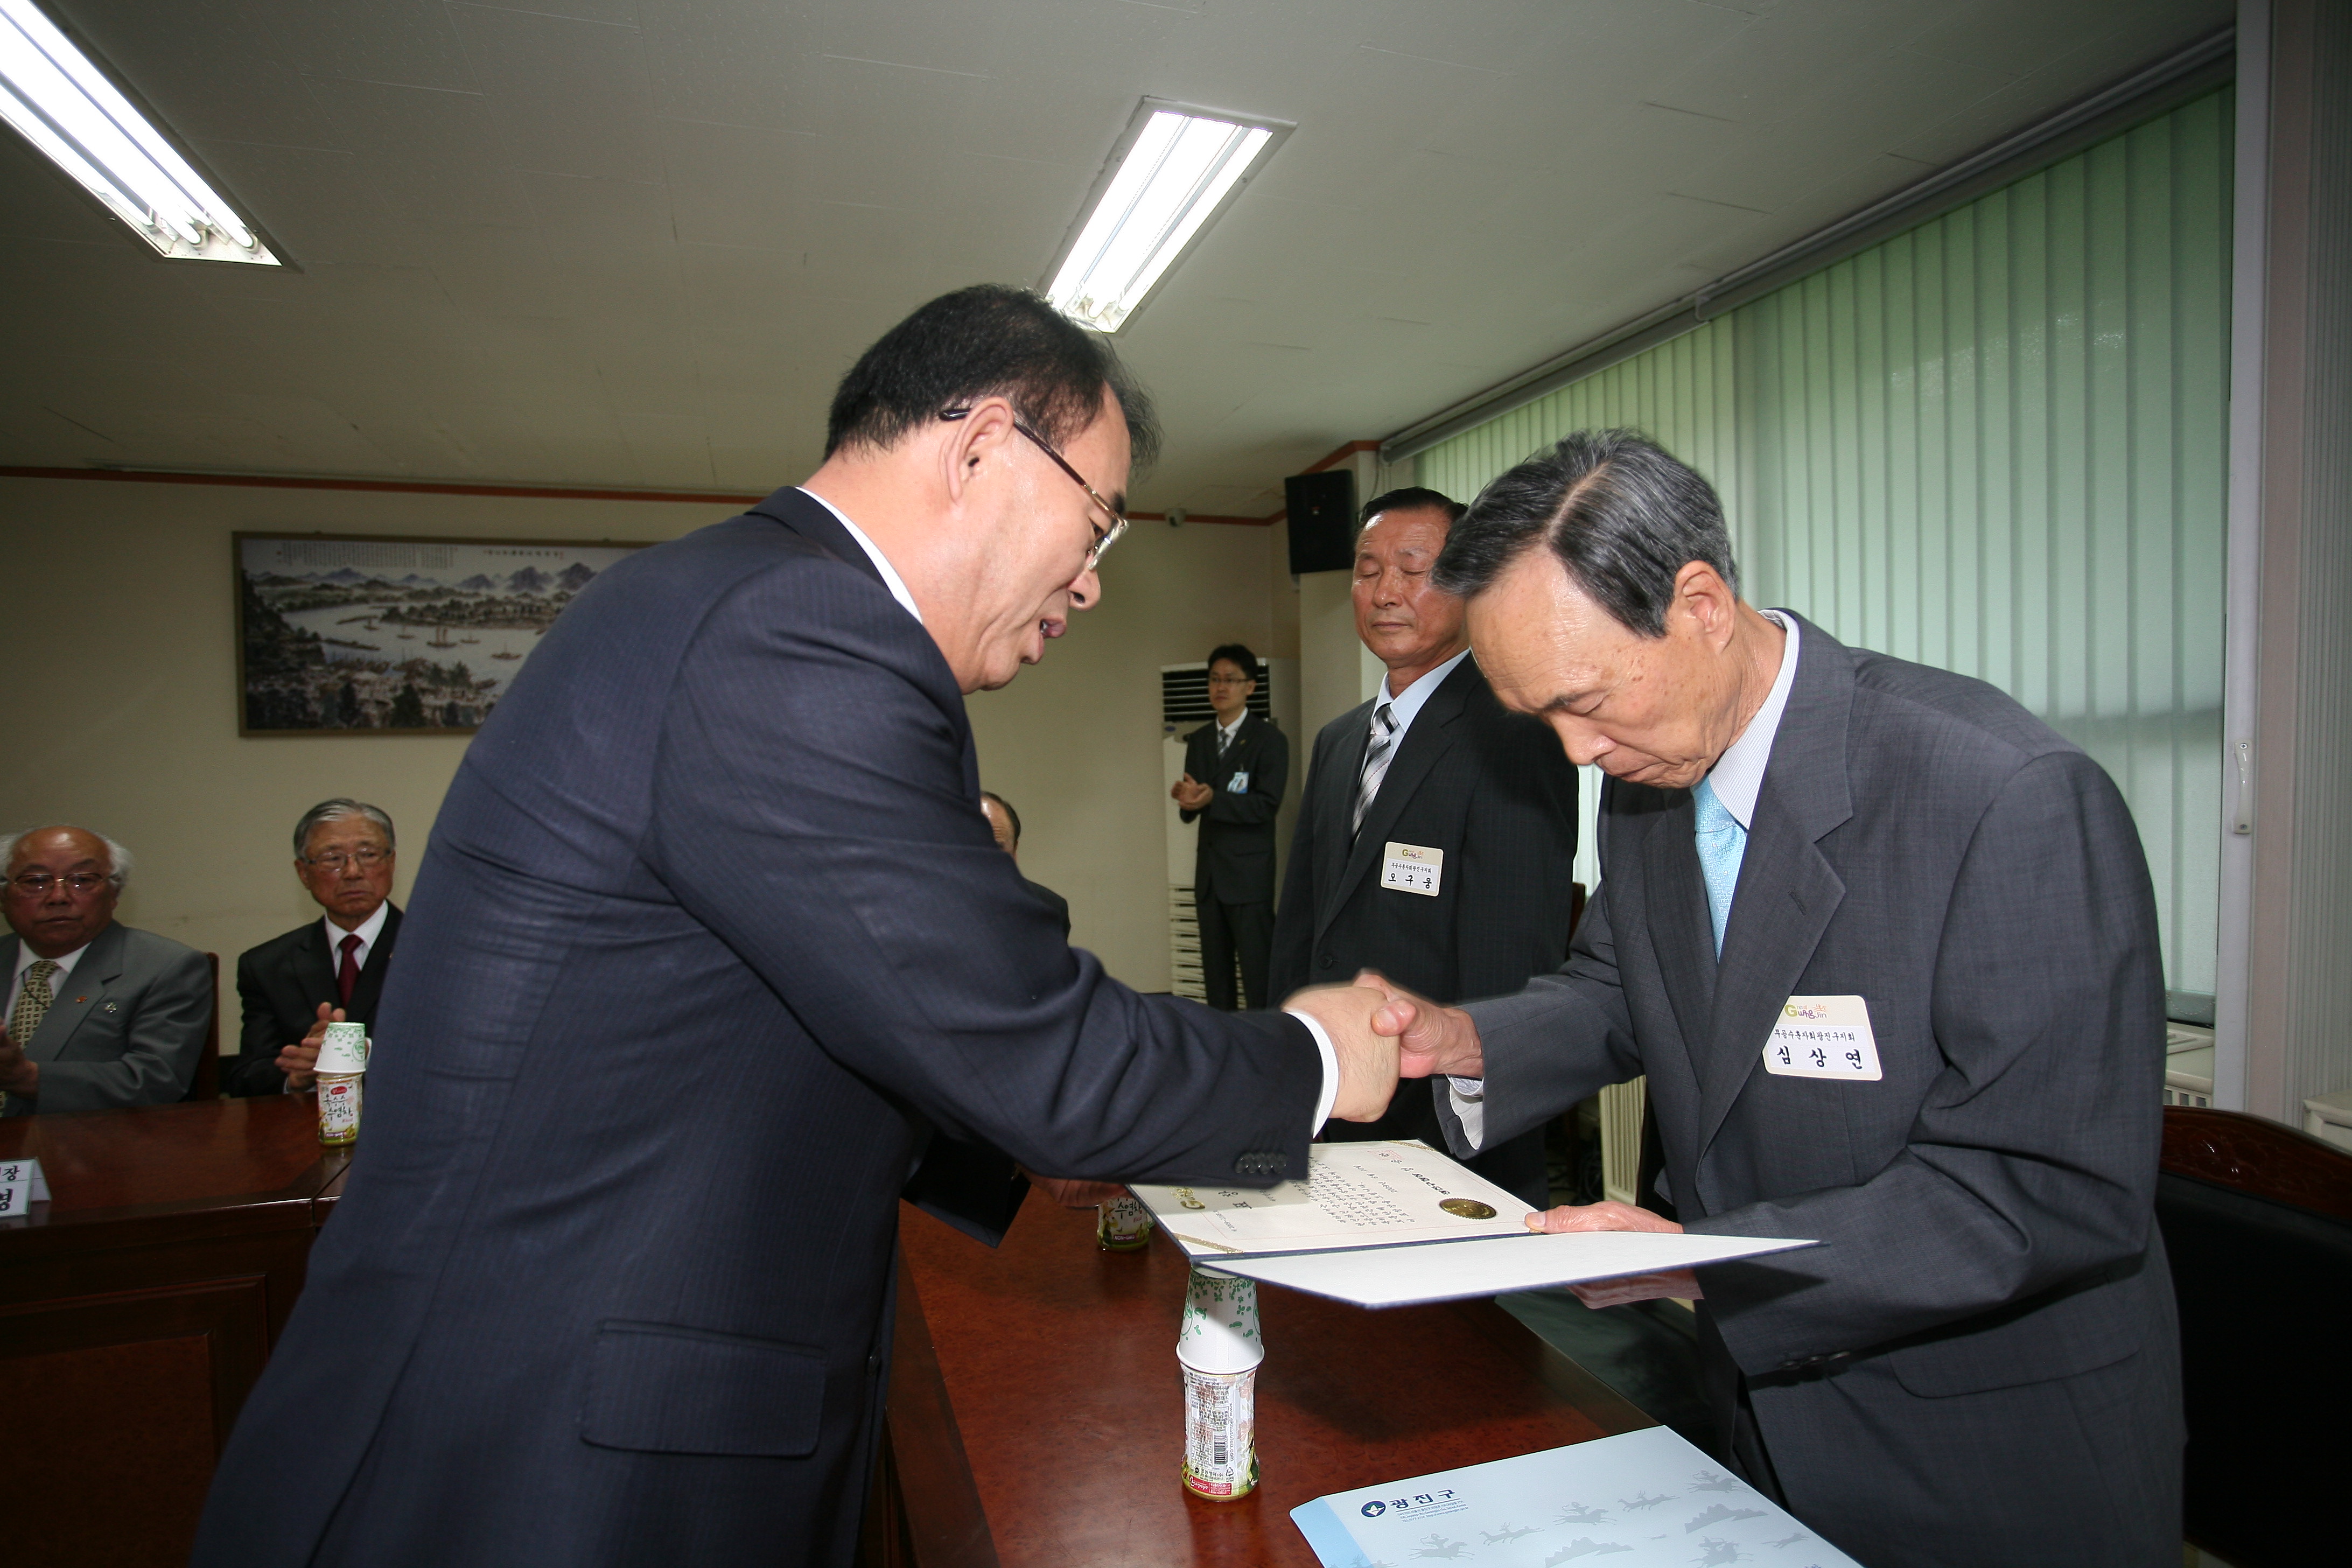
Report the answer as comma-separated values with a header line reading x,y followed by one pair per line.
x,y
325,970
98,1016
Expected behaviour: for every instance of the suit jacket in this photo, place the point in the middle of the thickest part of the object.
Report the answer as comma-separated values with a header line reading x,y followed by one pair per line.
x,y
279,985
1493,791
1921,841
1052,900
127,1027
710,930
1233,860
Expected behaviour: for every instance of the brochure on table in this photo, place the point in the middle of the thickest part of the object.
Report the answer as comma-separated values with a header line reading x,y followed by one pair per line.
x,y
1392,1223
1643,1500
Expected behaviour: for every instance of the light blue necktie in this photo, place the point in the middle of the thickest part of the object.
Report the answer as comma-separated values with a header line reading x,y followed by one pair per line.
x,y
1721,842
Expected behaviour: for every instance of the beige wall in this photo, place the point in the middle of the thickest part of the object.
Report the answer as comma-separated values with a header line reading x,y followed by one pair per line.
x,y
1074,744
122,710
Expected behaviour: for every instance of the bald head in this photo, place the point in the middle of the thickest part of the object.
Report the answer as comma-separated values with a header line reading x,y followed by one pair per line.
x,y
63,883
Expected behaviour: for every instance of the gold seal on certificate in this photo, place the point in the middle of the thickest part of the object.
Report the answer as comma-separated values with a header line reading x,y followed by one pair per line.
x,y
1468,1208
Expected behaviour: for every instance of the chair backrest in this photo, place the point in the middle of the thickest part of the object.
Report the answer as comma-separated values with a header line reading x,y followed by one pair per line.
x,y
2257,1218
206,1084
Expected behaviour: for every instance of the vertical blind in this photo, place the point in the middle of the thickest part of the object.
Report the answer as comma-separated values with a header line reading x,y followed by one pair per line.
x,y
1997,443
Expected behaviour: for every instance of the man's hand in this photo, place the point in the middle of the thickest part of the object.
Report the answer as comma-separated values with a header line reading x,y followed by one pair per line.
x,y
1678,1283
1430,1040
1368,1059
17,1077
299,1063
1191,793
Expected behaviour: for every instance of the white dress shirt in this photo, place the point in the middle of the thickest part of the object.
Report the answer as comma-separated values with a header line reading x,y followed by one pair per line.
x,y
1405,706
26,959
890,578
1738,775
1226,732
367,931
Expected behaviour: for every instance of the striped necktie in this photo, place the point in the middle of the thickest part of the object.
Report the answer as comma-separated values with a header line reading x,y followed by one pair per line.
x,y
1376,763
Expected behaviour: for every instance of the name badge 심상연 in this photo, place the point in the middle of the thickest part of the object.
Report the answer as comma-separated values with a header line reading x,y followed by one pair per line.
x,y
1824,1037
1410,868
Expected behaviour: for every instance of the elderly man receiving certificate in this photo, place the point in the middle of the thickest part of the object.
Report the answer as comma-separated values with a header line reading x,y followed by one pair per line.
x,y
1885,948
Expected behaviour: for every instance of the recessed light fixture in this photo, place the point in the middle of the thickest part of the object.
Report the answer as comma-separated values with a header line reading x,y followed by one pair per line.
x,y
1173,170
64,106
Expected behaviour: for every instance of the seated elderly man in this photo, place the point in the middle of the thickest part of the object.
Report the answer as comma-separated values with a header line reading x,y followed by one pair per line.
x,y
329,970
99,1016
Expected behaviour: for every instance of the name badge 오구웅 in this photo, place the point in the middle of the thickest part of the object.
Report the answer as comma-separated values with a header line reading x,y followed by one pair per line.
x,y
1411,868
1824,1037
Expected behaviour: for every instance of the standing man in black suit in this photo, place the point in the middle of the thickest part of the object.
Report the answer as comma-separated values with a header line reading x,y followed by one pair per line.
x,y
1438,837
711,940
328,970
1234,770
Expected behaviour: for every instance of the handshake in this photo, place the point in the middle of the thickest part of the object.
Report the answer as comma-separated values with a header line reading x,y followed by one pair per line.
x,y
1382,1033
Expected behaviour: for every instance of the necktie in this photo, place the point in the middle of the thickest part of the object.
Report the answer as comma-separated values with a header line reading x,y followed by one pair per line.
x,y
1721,843
348,976
1376,763
1225,738
32,1006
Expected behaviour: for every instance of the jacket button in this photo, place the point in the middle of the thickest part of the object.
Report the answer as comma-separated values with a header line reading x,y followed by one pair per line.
x,y
1323,960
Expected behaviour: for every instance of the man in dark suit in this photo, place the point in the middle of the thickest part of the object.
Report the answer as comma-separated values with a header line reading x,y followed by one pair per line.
x,y
1885,945
329,970
1005,826
711,937
98,1016
1235,767
1437,842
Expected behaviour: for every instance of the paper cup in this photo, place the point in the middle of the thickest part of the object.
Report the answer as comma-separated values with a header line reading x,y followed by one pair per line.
x,y
1220,1332
345,1049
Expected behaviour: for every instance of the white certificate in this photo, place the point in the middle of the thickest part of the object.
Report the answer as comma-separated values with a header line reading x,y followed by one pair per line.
x,y
1356,1194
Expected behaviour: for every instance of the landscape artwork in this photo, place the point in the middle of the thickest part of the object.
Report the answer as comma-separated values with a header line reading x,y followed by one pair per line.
x,y
341,634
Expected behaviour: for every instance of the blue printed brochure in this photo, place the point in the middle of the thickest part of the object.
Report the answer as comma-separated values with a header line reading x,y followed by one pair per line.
x,y
1645,1499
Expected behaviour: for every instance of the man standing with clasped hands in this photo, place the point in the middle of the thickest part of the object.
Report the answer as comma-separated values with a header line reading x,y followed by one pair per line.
x,y
1980,1364
710,939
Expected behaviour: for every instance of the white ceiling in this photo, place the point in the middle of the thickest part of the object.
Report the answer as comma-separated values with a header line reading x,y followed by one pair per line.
x,y
633,242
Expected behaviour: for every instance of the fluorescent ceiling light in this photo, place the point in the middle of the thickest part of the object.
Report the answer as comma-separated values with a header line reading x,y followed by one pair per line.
x,y
65,106
1173,171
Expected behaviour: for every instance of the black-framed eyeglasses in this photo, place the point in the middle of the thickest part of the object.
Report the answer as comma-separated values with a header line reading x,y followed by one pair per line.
x,y
36,884
1104,537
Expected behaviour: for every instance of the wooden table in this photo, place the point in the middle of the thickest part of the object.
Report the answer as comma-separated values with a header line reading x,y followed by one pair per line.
x,y
1035,1415
137,1307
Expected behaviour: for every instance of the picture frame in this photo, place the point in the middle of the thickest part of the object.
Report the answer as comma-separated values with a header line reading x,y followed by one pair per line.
x,y
384,634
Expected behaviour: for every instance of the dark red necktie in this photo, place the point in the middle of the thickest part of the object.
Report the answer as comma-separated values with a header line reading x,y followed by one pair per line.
x,y
348,977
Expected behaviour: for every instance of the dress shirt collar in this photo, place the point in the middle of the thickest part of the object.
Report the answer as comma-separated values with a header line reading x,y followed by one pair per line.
x,y
27,958
1738,773
1406,705
1226,733
367,931
890,578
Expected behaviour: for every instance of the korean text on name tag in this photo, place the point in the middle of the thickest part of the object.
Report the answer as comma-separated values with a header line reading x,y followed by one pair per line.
x,y
21,1185
1412,869
1824,1037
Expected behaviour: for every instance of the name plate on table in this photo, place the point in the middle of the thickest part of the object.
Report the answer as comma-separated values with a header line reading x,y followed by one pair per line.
x,y
21,1186
1642,1499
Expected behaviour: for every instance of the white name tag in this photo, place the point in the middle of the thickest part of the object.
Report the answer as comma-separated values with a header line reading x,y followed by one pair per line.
x,y
1238,784
1410,868
21,1185
1824,1037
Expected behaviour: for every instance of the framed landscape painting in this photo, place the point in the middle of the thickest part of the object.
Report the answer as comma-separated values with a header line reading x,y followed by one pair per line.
x,y
341,634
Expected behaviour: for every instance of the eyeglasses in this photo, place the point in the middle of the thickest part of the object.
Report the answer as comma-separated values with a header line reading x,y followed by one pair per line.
x,y
335,859
36,884
1229,681
1104,537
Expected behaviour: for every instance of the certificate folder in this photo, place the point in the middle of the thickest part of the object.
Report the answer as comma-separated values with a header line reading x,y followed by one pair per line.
x,y
1642,1499
1391,1224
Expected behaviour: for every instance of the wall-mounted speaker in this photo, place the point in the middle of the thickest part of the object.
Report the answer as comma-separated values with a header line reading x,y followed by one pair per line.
x,y
1322,517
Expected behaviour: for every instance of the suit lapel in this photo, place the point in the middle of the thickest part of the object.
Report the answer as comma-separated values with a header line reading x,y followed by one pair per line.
x,y
314,962
1787,891
1679,923
1335,797
77,994
1431,737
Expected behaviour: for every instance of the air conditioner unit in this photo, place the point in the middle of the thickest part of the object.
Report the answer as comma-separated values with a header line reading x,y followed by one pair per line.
x,y
1185,708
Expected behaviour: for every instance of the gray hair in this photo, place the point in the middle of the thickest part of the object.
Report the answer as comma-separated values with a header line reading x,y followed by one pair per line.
x,y
1621,513
117,858
335,810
